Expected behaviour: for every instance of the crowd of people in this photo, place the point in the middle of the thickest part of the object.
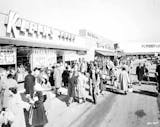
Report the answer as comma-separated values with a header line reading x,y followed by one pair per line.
x,y
82,79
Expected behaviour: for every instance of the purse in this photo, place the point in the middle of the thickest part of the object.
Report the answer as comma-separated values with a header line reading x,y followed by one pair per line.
x,y
31,115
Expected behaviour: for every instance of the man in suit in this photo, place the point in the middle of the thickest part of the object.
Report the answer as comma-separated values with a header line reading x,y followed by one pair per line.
x,y
29,83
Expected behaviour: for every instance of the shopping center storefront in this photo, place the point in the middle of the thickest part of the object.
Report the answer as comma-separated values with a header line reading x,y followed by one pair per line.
x,y
23,42
143,49
99,47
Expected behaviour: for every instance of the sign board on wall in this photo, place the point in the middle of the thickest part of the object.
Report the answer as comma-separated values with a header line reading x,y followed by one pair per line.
x,y
7,55
105,46
141,47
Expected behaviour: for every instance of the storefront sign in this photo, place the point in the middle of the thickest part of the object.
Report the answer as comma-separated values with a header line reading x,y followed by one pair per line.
x,y
105,46
19,27
150,46
7,56
92,35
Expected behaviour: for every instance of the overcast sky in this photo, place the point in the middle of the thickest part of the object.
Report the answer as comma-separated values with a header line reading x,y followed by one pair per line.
x,y
117,20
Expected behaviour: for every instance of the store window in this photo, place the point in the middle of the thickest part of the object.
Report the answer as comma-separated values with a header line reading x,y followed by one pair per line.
x,y
23,62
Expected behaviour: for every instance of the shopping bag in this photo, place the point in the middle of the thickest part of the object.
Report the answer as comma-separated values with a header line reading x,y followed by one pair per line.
x,y
30,115
130,88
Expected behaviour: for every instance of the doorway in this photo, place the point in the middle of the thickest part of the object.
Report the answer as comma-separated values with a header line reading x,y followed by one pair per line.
x,y
60,56
23,57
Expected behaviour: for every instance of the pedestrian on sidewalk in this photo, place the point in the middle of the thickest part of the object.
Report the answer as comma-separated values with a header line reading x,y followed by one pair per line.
x,y
72,83
112,76
38,117
51,79
58,79
65,77
95,83
102,81
139,73
9,85
29,84
146,73
124,80
80,89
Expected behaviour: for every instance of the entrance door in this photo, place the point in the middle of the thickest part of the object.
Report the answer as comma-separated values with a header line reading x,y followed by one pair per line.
x,y
23,57
59,59
59,56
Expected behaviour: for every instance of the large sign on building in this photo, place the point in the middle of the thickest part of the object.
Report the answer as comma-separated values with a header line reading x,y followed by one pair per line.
x,y
134,47
19,27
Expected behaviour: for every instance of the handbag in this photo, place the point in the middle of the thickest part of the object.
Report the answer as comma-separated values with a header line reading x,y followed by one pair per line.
x,y
31,115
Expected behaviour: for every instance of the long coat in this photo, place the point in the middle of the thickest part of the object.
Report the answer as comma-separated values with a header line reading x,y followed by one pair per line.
x,y
8,83
81,84
65,76
17,108
39,113
57,77
140,73
72,83
29,83
124,80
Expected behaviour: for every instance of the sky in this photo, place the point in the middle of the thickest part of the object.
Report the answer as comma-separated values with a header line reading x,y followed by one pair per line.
x,y
122,21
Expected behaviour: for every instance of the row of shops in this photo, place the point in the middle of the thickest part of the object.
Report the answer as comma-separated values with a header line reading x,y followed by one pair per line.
x,y
27,43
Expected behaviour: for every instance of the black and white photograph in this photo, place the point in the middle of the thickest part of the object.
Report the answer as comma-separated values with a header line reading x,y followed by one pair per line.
x,y
79,63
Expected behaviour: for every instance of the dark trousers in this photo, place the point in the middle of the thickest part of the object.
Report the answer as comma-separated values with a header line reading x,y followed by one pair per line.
x,y
65,84
26,114
94,95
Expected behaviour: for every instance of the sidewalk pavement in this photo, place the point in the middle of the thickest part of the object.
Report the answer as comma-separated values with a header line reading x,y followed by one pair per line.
x,y
58,114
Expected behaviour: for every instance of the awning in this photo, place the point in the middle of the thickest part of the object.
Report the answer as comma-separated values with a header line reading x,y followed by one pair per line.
x,y
104,53
38,44
141,53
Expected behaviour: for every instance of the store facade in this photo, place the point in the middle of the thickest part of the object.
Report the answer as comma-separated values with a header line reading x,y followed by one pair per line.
x,y
99,47
31,44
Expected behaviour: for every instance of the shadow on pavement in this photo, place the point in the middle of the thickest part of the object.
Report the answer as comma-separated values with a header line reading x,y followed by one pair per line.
x,y
114,91
144,92
63,98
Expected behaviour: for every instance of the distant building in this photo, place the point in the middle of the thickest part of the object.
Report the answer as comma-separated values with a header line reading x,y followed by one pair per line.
x,y
98,46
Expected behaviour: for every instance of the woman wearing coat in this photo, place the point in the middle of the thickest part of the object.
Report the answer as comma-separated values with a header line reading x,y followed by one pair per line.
x,y
81,84
13,102
57,79
72,83
39,118
124,80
